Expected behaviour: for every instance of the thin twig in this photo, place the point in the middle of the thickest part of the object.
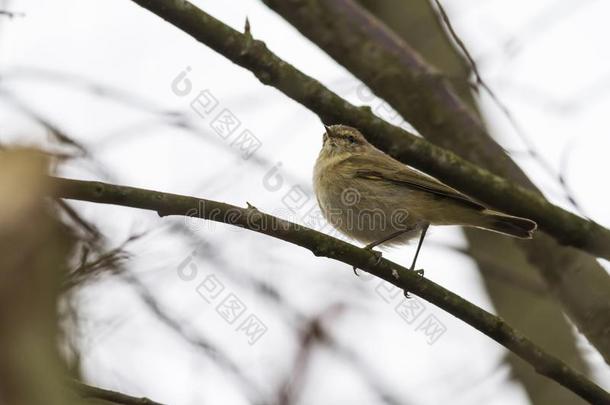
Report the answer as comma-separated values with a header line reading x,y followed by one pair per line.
x,y
196,340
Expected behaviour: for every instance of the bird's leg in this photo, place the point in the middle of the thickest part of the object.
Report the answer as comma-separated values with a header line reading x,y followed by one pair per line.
x,y
421,241
370,246
386,239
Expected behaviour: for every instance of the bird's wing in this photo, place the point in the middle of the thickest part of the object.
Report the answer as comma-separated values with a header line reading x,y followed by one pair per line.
x,y
387,169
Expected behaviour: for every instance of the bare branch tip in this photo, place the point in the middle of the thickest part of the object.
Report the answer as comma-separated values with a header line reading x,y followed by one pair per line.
x,y
247,31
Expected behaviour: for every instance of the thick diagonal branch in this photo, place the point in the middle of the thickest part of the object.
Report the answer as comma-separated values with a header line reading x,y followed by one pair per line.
x,y
323,245
242,49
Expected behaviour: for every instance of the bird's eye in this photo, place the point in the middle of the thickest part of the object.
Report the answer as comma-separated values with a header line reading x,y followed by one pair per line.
x,y
351,139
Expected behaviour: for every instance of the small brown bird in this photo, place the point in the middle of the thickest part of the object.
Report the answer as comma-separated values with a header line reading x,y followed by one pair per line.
x,y
375,199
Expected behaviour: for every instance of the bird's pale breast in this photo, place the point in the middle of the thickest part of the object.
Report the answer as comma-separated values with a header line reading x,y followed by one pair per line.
x,y
361,209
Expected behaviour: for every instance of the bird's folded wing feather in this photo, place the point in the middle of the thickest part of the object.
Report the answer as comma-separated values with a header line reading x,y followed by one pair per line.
x,y
385,169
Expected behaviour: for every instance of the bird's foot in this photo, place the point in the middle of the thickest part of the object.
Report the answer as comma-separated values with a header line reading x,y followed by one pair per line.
x,y
419,272
377,255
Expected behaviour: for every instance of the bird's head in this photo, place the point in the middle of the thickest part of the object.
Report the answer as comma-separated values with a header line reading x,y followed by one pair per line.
x,y
339,139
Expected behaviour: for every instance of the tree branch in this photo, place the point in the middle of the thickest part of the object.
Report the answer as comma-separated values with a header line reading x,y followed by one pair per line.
x,y
88,391
323,245
242,49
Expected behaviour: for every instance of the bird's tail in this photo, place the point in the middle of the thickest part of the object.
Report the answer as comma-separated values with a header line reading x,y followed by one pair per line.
x,y
509,225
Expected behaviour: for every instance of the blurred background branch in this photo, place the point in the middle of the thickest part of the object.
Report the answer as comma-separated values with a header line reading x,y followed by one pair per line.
x,y
35,250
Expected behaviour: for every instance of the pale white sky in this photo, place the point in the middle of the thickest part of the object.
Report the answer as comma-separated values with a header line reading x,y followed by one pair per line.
x,y
547,60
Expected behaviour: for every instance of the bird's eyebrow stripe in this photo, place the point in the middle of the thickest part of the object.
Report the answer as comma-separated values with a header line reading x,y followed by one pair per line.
x,y
343,134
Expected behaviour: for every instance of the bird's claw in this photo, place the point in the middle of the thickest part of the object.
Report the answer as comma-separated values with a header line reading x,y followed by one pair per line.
x,y
378,257
419,272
